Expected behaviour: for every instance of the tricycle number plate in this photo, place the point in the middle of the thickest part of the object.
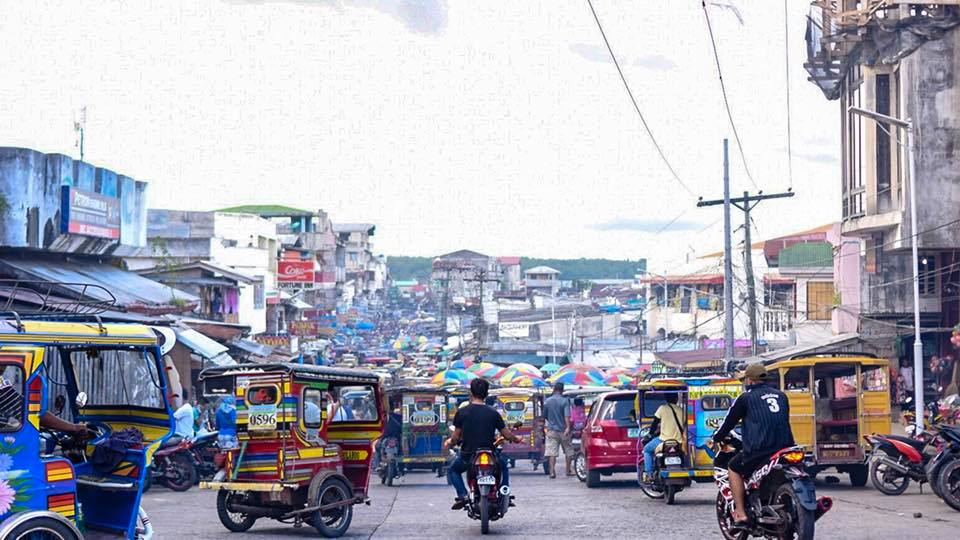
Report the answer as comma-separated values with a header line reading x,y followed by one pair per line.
x,y
633,432
486,481
262,420
672,460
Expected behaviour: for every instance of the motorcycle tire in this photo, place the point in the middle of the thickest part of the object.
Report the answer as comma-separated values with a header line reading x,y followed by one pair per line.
x,y
391,472
881,478
179,473
725,521
43,527
949,483
804,520
650,491
334,522
484,514
669,492
233,521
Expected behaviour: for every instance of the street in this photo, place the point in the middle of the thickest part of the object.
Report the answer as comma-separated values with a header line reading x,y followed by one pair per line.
x,y
419,508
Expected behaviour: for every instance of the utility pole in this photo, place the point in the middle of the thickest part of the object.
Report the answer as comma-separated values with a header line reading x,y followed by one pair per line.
x,y
481,277
745,203
80,126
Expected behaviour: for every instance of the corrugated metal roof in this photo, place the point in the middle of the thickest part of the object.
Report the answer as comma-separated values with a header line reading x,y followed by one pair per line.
x,y
199,343
807,255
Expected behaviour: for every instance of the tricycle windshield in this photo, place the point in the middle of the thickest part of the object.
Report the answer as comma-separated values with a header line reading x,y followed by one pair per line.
x,y
11,397
118,377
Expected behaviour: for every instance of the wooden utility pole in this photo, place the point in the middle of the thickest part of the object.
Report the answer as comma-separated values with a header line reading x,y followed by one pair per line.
x,y
745,204
481,276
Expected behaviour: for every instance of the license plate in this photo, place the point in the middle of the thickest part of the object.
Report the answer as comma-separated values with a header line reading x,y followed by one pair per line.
x,y
633,432
486,481
672,460
262,421
576,442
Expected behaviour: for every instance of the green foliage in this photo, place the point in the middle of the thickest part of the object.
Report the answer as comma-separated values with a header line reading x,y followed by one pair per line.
x,y
418,268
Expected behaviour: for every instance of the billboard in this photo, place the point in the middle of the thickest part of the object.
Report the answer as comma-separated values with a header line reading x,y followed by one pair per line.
x,y
302,328
294,271
89,214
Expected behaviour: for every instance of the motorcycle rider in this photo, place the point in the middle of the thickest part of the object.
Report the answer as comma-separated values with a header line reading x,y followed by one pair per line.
x,y
475,427
666,426
765,413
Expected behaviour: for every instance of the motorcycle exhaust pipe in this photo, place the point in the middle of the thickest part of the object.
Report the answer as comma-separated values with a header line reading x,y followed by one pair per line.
x,y
256,511
893,464
824,504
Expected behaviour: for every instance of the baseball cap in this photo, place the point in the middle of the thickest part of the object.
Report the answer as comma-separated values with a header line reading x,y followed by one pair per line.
x,y
756,372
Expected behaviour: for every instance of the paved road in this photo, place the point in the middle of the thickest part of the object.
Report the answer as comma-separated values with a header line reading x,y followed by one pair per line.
x,y
419,508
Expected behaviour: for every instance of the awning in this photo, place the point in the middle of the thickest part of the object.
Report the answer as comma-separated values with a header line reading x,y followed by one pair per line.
x,y
204,347
131,291
252,347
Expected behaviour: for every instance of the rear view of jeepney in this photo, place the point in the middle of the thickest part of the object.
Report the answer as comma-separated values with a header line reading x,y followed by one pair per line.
x,y
305,439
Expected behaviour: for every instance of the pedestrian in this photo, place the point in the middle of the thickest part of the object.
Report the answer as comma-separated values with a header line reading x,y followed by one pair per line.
x,y
226,422
184,417
556,411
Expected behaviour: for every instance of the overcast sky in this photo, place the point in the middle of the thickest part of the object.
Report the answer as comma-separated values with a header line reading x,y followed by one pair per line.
x,y
499,126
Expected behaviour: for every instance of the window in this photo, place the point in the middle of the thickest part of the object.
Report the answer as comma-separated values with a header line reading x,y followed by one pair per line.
x,y
619,409
353,404
11,398
874,380
219,386
259,300
797,379
312,412
262,395
883,145
118,377
927,272
819,300
716,402
514,406
651,402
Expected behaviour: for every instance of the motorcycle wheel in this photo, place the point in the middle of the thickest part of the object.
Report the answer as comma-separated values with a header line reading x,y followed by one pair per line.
x,y
233,521
179,473
886,480
580,466
725,521
804,521
669,492
43,527
484,514
391,472
333,523
949,483
651,491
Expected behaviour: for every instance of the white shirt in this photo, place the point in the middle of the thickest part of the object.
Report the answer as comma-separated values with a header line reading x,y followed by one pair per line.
x,y
184,421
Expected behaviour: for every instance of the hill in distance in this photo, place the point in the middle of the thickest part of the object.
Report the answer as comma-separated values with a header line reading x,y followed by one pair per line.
x,y
418,268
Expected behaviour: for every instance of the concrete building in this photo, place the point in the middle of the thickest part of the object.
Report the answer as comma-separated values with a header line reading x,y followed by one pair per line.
x,y
512,277
901,60
541,279
461,275
356,256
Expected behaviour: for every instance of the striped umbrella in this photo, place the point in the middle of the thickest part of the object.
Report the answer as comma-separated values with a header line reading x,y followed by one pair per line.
x,y
549,369
512,373
620,379
527,381
578,378
463,363
583,371
450,377
527,368
489,372
479,366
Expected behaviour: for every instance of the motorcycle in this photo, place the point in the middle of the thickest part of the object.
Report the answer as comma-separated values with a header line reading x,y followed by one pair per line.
x,y
943,470
173,465
669,458
489,500
781,501
389,463
204,451
895,461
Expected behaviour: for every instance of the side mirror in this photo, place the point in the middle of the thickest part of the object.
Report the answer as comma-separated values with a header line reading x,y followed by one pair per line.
x,y
81,400
59,404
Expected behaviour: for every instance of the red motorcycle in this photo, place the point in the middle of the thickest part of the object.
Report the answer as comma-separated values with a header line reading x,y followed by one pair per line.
x,y
896,460
173,465
781,501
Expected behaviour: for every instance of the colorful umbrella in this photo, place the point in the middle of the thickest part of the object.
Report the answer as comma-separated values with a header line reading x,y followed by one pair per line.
x,y
527,381
474,367
463,363
526,368
616,370
574,377
490,372
550,368
512,373
619,379
452,377
584,372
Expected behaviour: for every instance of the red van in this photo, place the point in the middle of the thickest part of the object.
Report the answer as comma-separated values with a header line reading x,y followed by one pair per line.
x,y
610,437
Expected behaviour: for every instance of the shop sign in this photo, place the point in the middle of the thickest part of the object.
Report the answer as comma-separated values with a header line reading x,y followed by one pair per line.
x,y
295,271
89,214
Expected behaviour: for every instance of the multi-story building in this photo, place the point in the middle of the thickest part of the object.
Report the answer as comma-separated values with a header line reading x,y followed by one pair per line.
x,y
464,275
900,59
355,251
541,279
512,277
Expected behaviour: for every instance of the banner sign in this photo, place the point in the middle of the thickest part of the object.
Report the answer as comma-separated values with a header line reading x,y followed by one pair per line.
x,y
89,214
273,341
302,328
294,271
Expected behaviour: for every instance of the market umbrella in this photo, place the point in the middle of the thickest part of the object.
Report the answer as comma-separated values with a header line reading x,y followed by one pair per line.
x,y
549,369
578,378
619,379
513,372
490,372
474,367
463,363
452,377
527,381
527,368
616,370
583,371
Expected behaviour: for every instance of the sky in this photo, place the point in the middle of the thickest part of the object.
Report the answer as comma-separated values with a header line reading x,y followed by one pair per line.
x,y
497,126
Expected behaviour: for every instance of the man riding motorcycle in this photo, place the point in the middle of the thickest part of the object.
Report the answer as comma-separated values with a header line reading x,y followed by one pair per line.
x,y
765,414
475,427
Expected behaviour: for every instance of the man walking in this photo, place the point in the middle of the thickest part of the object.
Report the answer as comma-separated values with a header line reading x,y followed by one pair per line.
x,y
556,410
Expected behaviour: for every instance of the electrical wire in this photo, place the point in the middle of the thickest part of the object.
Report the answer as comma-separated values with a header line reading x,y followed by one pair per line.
x,y
723,91
786,63
633,100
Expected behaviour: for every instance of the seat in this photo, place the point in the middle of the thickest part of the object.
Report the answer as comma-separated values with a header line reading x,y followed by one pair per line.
x,y
172,441
918,445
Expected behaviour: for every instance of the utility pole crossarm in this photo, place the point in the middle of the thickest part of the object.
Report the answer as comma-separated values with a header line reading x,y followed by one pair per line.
x,y
746,199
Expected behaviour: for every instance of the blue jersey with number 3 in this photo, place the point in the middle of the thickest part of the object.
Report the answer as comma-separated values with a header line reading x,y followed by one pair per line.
x,y
765,414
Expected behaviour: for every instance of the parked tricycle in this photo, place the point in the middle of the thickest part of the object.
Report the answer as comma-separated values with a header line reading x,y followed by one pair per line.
x,y
423,411
523,408
306,439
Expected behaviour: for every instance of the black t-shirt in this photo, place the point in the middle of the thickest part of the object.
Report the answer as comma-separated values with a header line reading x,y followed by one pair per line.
x,y
480,424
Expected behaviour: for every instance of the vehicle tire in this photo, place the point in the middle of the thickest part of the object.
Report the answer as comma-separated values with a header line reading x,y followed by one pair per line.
x,y
669,492
391,472
484,514
649,491
233,521
333,523
949,483
43,527
593,479
886,480
148,480
179,474
804,521
858,475
580,466
724,521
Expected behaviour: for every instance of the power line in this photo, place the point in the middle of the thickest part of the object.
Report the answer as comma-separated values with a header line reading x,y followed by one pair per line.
x,y
723,91
786,62
633,100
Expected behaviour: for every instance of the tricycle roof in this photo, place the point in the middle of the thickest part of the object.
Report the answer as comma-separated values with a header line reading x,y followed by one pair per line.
x,y
416,388
308,371
75,333
862,359
515,391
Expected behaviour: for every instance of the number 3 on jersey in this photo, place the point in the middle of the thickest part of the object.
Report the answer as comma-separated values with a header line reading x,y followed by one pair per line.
x,y
773,404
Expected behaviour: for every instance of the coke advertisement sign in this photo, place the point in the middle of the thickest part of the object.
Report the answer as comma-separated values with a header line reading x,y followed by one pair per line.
x,y
295,271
